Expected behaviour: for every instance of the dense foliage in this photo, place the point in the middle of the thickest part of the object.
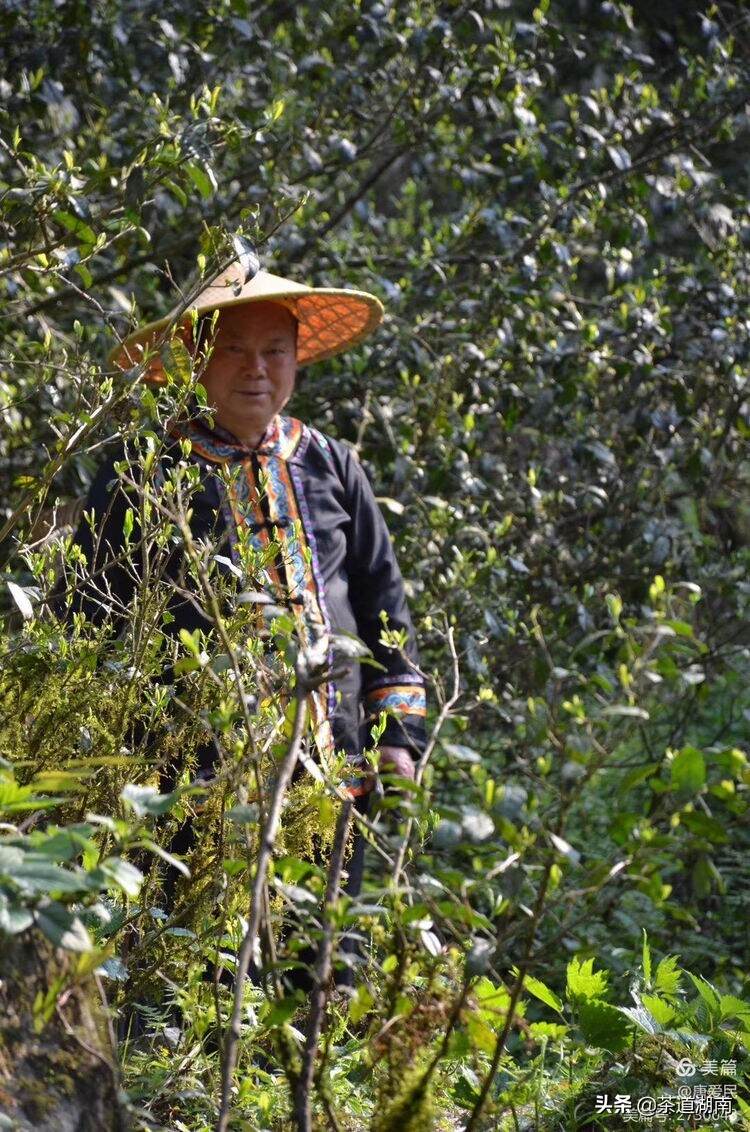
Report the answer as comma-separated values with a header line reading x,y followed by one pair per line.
x,y
552,203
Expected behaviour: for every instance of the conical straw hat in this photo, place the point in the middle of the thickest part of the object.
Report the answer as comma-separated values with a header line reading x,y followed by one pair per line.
x,y
331,319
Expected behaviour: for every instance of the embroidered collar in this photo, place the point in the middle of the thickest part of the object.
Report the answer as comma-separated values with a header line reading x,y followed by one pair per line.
x,y
282,438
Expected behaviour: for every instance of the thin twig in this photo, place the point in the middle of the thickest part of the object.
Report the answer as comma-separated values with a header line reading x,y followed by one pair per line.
x,y
250,942
304,1082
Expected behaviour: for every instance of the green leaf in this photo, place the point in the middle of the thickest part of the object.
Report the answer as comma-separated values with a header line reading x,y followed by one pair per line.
x,y
63,928
583,981
63,844
200,179
282,1010
554,1031
483,1037
461,753
603,1026
13,918
179,194
294,869
36,873
659,1009
733,1007
708,993
688,770
492,1001
15,799
177,362
10,857
276,109
79,228
361,1004
191,642
466,1090
61,780
668,976
638,775
21,599
233,866
86,277
681,628
702,876
543,993
626,710
646,958
125,875
147,800
565,848
704,826
172,861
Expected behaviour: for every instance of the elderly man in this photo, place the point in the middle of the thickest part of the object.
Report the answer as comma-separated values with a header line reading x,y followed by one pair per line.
x,y
296,494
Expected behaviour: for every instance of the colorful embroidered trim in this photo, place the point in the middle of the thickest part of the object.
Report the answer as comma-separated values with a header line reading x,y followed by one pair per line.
x,y
399,697
297,563
281,438
268,501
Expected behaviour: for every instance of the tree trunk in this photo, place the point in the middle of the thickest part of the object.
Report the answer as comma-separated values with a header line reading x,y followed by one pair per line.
x,y
59,1075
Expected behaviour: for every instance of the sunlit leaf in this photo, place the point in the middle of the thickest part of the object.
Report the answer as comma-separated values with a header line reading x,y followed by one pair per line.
x,y
62,927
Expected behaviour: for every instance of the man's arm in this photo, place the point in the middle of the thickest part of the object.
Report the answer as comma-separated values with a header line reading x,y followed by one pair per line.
x,y
103,586
376,587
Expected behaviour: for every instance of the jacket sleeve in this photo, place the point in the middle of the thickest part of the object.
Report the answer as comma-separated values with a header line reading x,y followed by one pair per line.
x,y
101,579
375,588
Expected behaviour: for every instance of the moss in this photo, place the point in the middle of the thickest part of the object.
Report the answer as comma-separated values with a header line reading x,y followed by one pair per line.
x,y
34,1096
57,713
209,898
411,1110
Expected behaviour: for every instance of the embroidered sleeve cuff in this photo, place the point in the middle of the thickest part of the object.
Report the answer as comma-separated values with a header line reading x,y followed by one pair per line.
x,y
403,700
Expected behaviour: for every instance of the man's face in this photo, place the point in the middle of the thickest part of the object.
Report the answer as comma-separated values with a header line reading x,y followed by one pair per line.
x,y
250,374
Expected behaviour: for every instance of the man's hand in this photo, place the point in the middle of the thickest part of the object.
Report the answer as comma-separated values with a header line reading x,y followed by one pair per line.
x,y
391,760
396,760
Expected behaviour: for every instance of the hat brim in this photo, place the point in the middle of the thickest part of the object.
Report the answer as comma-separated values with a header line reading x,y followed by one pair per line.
x,y
330,320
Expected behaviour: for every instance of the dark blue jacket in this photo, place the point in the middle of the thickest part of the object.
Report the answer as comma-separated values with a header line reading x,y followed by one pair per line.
x,y
296,518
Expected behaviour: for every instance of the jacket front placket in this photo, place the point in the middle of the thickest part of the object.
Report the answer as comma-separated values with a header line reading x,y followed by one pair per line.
x,y
267,499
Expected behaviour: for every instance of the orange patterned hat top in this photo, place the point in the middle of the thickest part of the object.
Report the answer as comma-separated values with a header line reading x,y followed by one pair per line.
x,y
331,319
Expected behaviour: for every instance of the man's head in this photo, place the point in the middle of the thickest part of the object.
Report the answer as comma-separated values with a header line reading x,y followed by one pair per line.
x,y
250,374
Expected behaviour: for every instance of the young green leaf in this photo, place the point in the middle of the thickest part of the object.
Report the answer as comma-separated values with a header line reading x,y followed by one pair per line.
x,y
543,993
668,976
646,959
584,982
